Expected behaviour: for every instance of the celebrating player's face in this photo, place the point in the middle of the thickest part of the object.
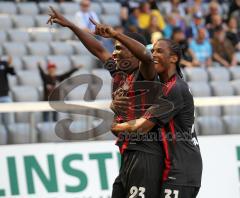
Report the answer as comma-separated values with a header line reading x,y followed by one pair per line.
x,y
123,57
161,56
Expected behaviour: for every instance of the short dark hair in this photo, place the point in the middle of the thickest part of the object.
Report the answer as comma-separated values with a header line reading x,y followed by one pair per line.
x,y
136,36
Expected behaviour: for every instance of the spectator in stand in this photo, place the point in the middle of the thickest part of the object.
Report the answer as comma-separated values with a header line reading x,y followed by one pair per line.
x,y
83,15
153,4
216,20
187,57
132,24
154,38
144,16
50,81
234,9
153,27
233,34
176,6
5,69
171,24
201,49
192,30
223,50
195,6
214,9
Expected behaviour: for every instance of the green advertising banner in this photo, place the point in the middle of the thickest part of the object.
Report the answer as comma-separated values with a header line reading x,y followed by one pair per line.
x,y
88,169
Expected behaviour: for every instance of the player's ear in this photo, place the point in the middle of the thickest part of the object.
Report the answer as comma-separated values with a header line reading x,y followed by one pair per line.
x,y
173,59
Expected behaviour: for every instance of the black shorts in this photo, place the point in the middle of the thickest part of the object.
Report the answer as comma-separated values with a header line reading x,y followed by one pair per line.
x,y
140,176
177,191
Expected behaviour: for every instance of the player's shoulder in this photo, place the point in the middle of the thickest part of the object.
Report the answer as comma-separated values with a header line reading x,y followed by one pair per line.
x,y
180,86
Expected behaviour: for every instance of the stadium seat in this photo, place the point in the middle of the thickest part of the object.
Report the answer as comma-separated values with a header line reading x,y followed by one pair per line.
x,y
69,7
200,89
113,20
3,36
111,8
70,17
16,62
31,62
60,48
96,7
5,22
3,134
44,7
14,49
231,110
41,20
12,80
78,93
210,125
103,74
196,74
236,86
62,34
38,48
235,72
28,8
31,78
209,111
8,8
46,132
105,92
219,74
232,124
19,133
85,61
18,35
23,21
62,62
79,48
24,94
222,88
41,34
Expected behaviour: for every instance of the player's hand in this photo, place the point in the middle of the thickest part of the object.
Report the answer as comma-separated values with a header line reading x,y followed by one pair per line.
x,y
57,17
120,105
105,31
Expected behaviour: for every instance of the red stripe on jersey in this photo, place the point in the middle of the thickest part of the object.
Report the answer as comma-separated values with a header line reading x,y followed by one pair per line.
x,y
167,157
124,147
131,113
172,129
168,86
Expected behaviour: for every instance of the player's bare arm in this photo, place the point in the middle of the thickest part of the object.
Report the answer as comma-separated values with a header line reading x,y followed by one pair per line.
x,y
139,125
88,40
136,48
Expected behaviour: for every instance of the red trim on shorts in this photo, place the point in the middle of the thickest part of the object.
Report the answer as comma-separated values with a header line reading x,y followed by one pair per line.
x,y
167,157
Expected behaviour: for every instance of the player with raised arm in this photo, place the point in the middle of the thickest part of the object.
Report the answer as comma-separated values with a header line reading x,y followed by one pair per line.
x,y
183,163
142,161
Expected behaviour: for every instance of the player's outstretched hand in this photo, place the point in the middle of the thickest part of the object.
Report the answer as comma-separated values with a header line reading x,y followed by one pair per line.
x,y
103,30
57,17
